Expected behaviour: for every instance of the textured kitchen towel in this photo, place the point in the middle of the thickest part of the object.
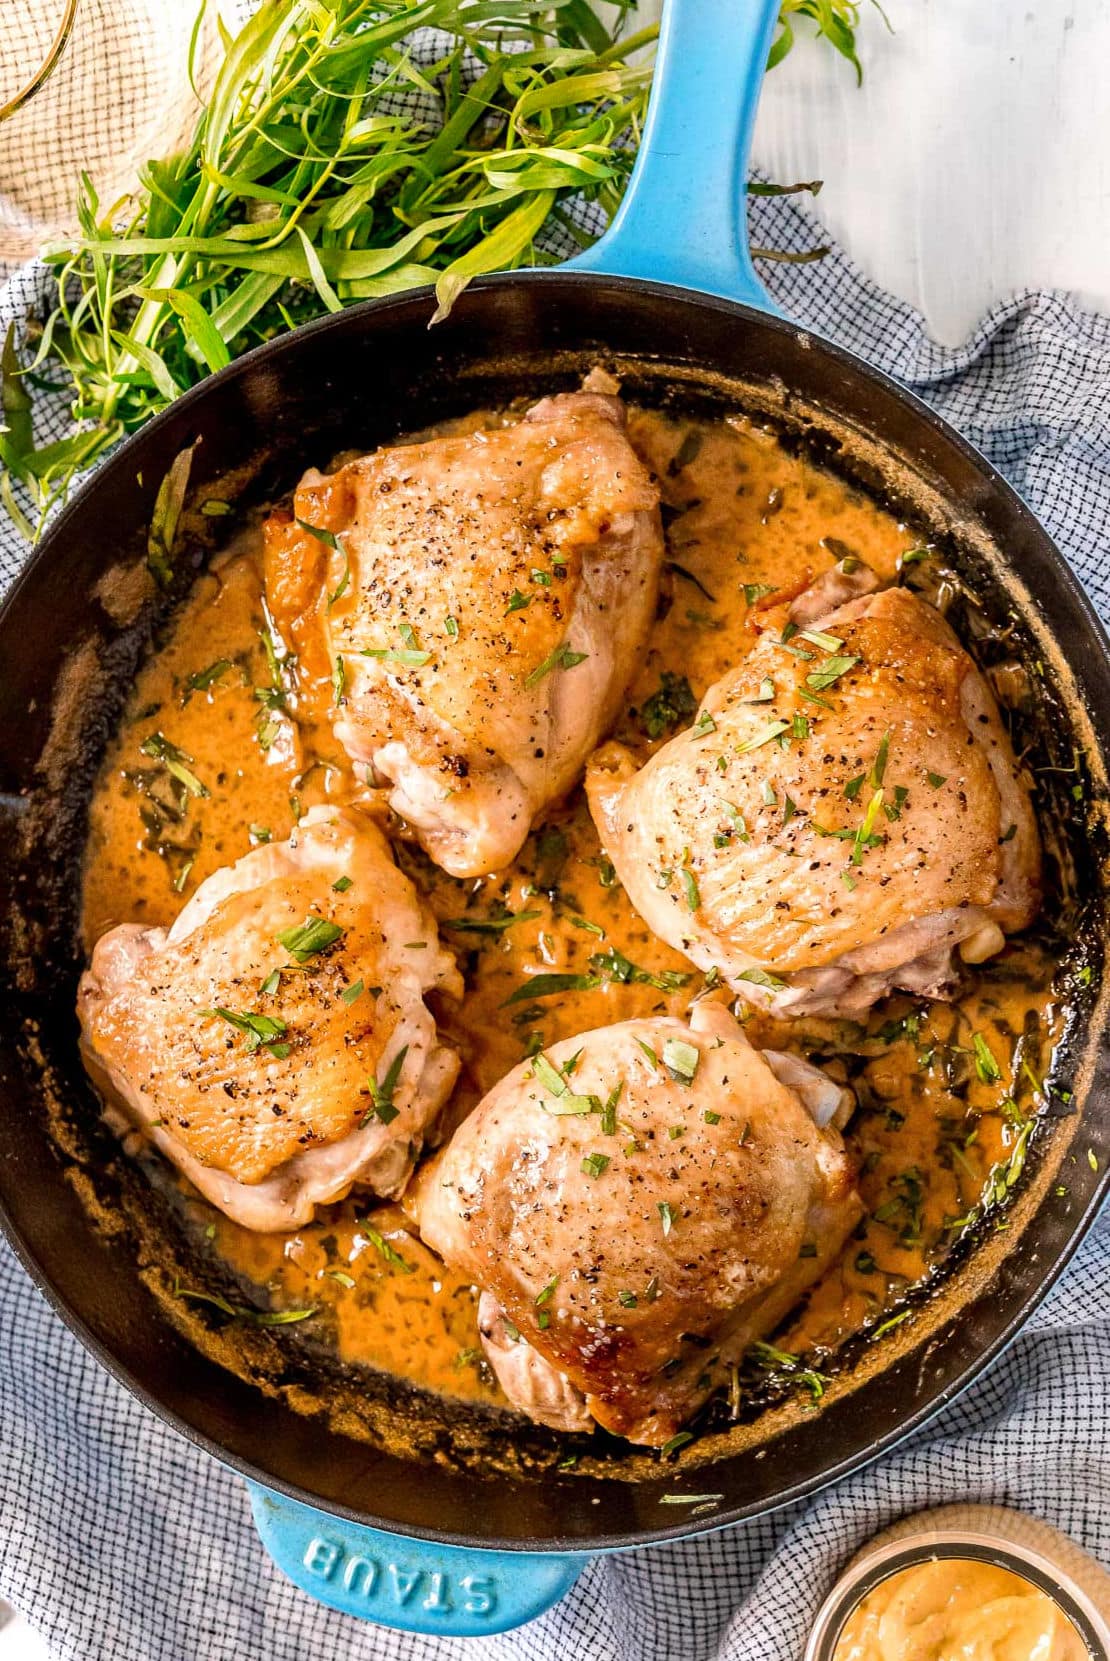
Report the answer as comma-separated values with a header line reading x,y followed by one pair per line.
x,y
123,1543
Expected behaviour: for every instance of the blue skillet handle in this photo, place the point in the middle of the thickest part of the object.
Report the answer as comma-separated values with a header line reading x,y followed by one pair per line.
x,y
683,216
413,1585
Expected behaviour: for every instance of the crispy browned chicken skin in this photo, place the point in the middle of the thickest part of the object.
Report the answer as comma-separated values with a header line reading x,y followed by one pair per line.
x,y
844,814
598,1250
268,1130
480,616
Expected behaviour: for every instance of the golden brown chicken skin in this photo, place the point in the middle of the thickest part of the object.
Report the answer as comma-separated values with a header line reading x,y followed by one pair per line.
x,y
474,612
844,814
664,1183
275,1043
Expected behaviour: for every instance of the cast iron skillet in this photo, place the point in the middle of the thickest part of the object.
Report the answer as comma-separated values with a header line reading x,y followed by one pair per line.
x,y
446,1546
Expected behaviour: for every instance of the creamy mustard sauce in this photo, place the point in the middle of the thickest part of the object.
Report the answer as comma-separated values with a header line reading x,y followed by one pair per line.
x,y
945,1090
956,1609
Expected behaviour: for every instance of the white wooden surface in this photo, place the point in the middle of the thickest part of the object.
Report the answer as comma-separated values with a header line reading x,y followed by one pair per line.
x,y
974,160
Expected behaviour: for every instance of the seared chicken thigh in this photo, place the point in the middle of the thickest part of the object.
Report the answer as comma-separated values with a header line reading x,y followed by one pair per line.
x,y
843,816
631,1198
483,606
275,1043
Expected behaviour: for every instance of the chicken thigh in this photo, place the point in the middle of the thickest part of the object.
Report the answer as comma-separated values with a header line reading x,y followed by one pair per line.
x,y
275,1043
844,815
638,1205
482,605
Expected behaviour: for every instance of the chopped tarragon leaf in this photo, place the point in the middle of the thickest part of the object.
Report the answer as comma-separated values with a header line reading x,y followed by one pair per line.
x,y
888,1326
350,993
546,1293
785,640
451,624
341,1275
764,695
271,983
865,836
653,1059
768,794
556,1083
260,833
518,601
261,1030
609,1111
257,1317
772,730
162,534
827,642
627,1300
408,653
341,884
799,726
548,985
760,977
175,761
339,680
937,779
821,678
690,1499
985,1065
615,966
690,884
541,577
588,927
893,810
666,1215
490,925
561,658
676,1442
328,538
691,577
736,819
182,876
1092,1159
205,679
215,508
913,556
710,1117
812,698
606,872
383,1247
878,766
681,1060
381,1094
309,938
703,725
344,582
854,786
756,591
687,451
594,1164
668,706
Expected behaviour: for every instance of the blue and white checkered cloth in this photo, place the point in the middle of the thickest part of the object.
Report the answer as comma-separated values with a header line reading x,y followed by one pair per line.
x,y
120,1540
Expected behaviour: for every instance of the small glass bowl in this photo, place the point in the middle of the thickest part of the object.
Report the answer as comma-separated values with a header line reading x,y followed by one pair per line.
x,y
1006,1539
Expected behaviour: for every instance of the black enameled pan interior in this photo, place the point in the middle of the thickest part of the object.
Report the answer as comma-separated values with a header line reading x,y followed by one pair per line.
x,y
67,655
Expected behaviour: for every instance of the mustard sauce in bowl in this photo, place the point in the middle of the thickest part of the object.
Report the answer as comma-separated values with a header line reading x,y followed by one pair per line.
x,y
967,1583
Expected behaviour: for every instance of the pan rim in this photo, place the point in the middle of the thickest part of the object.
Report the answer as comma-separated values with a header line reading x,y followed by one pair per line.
x,y
409,305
